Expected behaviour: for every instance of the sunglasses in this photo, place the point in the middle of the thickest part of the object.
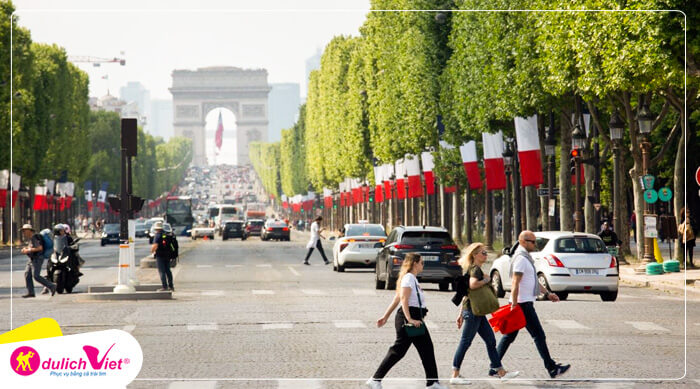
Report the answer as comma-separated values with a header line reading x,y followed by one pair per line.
x,y
531,241
484,252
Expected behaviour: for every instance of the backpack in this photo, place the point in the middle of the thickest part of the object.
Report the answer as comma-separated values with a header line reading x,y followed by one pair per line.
x,y
168,246
47,242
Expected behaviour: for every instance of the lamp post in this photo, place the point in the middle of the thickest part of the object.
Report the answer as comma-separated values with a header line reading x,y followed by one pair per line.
x,y
507,162
549,150
578,143
617,127
645,119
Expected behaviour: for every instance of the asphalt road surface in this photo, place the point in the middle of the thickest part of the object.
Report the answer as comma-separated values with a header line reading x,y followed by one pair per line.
x,y
250,315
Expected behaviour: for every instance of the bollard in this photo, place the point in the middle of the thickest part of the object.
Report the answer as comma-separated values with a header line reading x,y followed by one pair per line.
x,y
131,270
123,270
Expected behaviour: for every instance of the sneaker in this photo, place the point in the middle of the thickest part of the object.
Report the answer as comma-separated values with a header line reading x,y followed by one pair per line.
x,y
307,264
28,295
45,290
328,262
493,373
558,370
510,375
374,384
172,289
53,291
162,290
436,385
459,380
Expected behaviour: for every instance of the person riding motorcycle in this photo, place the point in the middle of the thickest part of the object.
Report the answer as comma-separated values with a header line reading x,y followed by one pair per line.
x,y
64,266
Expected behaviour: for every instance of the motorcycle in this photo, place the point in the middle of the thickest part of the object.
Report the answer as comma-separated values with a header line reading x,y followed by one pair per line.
x,y
64,265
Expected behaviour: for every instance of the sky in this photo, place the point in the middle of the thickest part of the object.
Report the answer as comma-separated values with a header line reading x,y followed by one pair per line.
x,y
159,36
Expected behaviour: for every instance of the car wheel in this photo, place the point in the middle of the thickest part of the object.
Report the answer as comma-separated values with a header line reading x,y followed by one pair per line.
x,y
390,281
341,268
102,243
194,237
444,286
497,284
543,282
378,284
608,296
224,237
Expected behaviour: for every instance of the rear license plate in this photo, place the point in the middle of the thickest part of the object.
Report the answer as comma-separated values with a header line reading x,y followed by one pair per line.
x,y
586,272
430,258
366,245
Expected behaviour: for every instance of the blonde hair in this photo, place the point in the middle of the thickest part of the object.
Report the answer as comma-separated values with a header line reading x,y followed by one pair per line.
x,y
410,260
467,257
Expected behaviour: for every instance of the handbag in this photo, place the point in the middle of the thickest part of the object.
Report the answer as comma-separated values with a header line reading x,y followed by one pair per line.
x,y
483,300
507,321
411,330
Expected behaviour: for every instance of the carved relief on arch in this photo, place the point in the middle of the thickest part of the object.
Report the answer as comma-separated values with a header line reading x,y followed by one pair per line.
x,y
232,106
253,135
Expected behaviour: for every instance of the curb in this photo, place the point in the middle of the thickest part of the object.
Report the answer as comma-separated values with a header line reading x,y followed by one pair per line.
x,y
664,287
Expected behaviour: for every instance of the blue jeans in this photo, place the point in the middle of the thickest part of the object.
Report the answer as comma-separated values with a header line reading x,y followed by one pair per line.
x,y
166,276
470,327
534,327
33,270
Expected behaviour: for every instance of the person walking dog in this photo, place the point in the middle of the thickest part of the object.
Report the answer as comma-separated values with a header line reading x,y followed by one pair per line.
x,y
472,258
35,252
410,329
525,289
315,241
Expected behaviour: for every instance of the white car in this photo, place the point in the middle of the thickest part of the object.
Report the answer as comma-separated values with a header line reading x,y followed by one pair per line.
x,y
359,246
202,231
566,262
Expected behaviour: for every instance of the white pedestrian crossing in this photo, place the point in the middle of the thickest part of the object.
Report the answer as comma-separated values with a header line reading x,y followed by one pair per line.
x,y
202,327
203,266
263,265
193,384
213,293
277,326
647,326
263,291
299,384
568,324
349,324
231,266
364,292
312,292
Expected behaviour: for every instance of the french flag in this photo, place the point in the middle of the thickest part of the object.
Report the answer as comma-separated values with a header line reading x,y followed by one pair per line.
x,y
4,184
428,166
39,198
493,161
309,201
415,186
400,171
471,166
529,151
388,172
15,180
285,203
378,187
327,198
356,191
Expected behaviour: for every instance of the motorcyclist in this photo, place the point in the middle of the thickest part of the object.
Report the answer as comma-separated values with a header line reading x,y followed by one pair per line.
x,y
62,248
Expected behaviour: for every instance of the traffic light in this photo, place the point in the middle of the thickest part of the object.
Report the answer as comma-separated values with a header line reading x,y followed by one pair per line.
x,y
572,161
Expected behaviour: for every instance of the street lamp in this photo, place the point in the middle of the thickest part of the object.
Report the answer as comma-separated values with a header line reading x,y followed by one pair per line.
x,y
578,142
507,161
550,150
645,119
617,126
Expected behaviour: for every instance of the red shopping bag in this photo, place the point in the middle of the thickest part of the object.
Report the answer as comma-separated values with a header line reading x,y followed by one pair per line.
x,y
507,321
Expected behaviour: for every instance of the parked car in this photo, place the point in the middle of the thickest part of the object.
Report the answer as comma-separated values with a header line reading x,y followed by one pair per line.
x,y
151,233
233,229
110,234
436,248
254,227
359,247
565,262
201,231
275,229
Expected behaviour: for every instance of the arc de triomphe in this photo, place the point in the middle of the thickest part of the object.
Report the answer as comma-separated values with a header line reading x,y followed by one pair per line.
x,y
197,92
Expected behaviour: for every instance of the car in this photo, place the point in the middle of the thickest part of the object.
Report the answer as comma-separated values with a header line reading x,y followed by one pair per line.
x,y
565,262
110,234
151,233
435,246
254,227
359,247
202,230
275,229
233,229
141,229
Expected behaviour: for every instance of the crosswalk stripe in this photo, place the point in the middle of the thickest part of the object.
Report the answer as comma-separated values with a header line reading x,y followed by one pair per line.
x,y
203,266
192,384
431,325
128,328
262,291
299,384
349,324
263,265
234,266
313,292
364,292
647,326
291,269
568,324
277,326
213,293
202,327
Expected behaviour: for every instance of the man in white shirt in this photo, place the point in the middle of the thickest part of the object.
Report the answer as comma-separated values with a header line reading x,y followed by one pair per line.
x,y
524,293
315,241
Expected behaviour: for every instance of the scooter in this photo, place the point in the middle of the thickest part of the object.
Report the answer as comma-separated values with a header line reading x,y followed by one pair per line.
x,y
64,265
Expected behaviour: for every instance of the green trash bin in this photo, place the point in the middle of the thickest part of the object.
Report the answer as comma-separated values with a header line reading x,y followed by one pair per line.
x,y
655,268
672,266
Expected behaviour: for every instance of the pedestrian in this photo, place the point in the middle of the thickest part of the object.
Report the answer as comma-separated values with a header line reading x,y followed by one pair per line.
x,y
164,248
687,233
412,299
608,236
525,289
315,240
472,258
35,252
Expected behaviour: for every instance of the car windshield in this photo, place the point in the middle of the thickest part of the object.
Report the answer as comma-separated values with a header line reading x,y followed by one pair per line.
x,y
148,224
579,245
277,224
426,237
140,226
111,228
233,225
257,223
365,230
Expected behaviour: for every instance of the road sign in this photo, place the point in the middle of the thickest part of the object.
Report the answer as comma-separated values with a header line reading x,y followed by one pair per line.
x,y
545,192
650,196
665,194
648,181
650,226
697,176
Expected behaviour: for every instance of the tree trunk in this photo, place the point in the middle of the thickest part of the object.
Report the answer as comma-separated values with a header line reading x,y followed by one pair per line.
x,y
488,225
565,195
455,216
443,206
679,187
468,219
533,207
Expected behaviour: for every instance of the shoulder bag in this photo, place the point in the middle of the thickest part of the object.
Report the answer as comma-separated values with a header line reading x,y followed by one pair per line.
x,y
483,300
411,330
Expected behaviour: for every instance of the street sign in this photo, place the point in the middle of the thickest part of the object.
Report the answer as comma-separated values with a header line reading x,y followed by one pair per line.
x,y
545,192
648,181
650,226
552,207
665,194
650,196
697,176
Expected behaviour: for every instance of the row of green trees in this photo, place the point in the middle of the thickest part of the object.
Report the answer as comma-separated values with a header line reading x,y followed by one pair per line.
x,y
55,133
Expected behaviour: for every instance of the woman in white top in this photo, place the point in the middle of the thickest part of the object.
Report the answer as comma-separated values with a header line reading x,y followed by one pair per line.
x,y
412,299
315,241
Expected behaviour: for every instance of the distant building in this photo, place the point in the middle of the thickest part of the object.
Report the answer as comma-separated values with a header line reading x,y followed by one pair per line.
x,y
312,63
283,105
161,121
135,92
107,103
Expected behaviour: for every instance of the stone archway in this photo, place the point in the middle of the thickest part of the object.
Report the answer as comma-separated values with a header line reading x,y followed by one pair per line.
x,y
243,91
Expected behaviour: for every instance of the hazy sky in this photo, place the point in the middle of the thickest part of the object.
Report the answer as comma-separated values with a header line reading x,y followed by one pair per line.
x,y
159,36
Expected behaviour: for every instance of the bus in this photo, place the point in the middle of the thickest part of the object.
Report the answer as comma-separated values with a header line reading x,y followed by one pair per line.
x,y
227,213
178,213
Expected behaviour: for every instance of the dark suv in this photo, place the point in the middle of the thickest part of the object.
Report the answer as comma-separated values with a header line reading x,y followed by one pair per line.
x,y
233,229
436,248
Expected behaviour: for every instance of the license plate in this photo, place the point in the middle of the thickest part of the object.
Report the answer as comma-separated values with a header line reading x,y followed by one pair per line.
x,y
430,258
366,245
586,272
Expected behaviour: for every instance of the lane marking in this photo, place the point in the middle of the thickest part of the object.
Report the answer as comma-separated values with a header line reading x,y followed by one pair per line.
x,y
277,326
364,292
111,268
299,384
647,326
128,328
213,293
313,292
349,324
192,384
568,324
291,269
263,265
262,291
431,324
202,327
203,266
234,266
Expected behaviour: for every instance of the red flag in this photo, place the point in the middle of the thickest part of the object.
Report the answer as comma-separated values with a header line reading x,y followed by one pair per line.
x,y
582,179
529,151
400,180
4,184
219,132
15,180
39,198
450,189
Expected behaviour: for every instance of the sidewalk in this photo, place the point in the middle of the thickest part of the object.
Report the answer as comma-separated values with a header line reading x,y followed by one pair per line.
x,y
676,283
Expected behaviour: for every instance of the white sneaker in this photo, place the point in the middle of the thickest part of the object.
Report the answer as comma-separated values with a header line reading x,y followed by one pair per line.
x,y
459,381
510,375
436,385
374,384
